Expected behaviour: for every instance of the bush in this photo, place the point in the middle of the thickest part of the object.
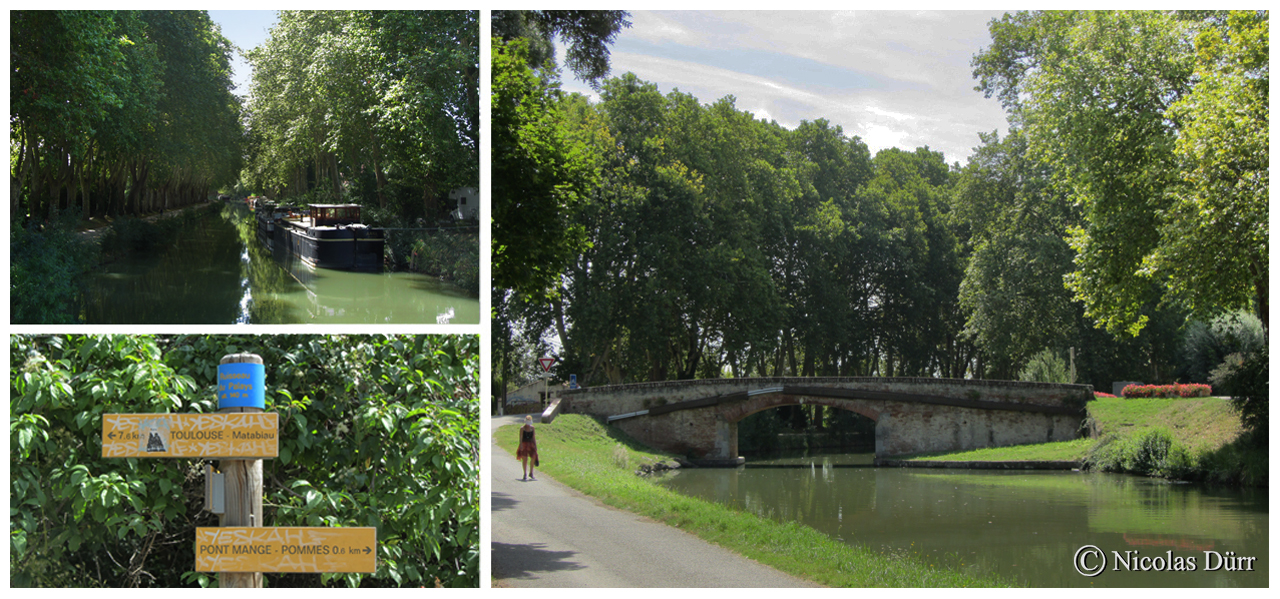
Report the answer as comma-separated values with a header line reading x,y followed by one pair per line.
x,y
1205,346
1153,452
45,271
450,255
1244,378
1048,367
1174,390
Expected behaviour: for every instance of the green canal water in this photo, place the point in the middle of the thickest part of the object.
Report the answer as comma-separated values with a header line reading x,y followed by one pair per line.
x,y
218,273
1027,526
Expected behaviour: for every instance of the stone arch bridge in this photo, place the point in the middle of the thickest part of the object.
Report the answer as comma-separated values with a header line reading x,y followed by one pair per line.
x,y
912,415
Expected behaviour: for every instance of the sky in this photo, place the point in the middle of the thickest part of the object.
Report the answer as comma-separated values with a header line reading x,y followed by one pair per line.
x,y
894,79
246,29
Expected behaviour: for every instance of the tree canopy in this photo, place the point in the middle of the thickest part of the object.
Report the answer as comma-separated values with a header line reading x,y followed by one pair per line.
x,y
378,107
679,239
118,112
1125,106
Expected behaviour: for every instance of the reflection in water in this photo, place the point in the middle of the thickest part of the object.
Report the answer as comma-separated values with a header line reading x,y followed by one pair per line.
x,y
218,273
1025,525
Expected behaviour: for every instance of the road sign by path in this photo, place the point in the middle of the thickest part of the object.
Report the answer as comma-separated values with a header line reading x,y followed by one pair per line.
x,y
227,436
546,363
286,549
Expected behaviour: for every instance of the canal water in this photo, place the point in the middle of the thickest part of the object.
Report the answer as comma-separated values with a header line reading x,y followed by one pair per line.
x,y
1026,526
218,273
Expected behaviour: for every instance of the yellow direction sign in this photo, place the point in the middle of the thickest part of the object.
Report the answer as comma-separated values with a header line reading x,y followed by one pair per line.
x,y
286,549
229,436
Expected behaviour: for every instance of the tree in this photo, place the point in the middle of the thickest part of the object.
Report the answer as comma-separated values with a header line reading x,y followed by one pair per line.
x,y
588,34
379,105
1118,104
539,172
1215,238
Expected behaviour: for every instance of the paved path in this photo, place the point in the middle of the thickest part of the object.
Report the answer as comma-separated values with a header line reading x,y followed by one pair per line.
x,y
545,534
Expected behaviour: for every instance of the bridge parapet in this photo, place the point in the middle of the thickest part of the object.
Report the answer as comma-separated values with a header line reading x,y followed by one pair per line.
x,y
912,415
616,399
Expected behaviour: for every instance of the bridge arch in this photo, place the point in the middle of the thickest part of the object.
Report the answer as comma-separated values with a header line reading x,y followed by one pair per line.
x,y
733,414
912,415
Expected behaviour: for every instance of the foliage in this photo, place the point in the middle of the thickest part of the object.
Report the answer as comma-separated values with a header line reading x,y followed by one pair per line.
x,y
119,112
1144,118
587,33
1205,346
540,170
1174,390
1246,377
379,105
375,431
45,270
1215,237
449,255
1048,367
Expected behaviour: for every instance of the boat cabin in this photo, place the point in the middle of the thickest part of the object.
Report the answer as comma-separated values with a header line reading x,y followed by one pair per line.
x,y
332,215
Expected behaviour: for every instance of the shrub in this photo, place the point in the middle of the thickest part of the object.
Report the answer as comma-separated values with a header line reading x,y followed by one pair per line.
x,y
1153,452
45,271
1048,367
1244,378
1174,390
1205,346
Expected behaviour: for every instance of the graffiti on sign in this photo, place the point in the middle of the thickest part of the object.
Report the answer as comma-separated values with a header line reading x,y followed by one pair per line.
x,y
286,549
233,436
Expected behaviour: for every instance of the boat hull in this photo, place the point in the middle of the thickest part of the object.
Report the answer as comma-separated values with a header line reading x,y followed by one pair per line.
x,y
351,247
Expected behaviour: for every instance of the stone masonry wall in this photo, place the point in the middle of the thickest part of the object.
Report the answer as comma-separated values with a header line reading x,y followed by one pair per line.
x,y
901,427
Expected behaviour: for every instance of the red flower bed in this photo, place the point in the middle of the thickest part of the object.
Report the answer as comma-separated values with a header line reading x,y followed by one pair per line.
x,y
1101,394
1174,390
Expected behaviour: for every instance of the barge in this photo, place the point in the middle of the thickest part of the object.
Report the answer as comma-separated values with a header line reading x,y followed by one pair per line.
x,y
326,236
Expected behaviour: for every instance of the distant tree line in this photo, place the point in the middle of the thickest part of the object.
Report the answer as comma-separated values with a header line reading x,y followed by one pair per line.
x,y
655,237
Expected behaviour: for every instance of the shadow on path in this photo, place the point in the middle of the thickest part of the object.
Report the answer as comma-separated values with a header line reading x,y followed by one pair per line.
x,y
522,561
501,501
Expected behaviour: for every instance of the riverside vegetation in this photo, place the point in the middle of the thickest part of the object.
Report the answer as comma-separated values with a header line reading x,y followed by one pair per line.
x,y
600,461
1199,439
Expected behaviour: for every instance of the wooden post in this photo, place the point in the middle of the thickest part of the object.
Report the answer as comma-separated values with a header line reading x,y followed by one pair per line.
x,y
243,488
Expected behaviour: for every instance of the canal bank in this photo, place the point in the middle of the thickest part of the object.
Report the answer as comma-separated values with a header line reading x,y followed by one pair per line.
x,y
215,272
1186,439
601,463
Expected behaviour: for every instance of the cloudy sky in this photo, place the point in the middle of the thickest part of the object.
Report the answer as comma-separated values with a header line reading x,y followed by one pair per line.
x,y
895,79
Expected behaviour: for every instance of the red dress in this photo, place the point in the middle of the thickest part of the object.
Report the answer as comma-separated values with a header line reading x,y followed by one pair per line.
x,y
528,446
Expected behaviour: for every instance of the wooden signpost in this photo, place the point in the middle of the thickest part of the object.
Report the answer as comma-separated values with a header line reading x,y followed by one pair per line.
x,y
240,435
285,549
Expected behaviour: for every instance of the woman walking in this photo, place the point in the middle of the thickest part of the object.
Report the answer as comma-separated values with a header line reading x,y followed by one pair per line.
x,y
528,450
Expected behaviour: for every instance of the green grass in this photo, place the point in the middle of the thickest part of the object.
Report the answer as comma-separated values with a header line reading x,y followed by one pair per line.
x,y
600,461
1187,439
1074,450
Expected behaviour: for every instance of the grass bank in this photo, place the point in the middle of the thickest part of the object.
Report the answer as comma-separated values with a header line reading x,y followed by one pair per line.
x,y
601,462
1197,439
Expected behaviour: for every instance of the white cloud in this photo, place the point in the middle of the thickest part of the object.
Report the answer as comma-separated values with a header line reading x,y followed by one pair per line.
x,y
896,79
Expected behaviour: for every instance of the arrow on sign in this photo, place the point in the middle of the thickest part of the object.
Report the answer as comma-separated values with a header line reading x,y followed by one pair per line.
x,y
546,363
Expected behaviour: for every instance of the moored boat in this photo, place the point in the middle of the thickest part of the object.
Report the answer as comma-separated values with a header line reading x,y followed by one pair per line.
x,y
331,236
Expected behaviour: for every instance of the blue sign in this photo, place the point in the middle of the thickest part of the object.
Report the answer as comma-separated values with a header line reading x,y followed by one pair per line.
x,y
573,381
242,385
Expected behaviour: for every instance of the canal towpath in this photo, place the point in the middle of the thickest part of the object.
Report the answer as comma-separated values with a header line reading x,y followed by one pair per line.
x,y
545,534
